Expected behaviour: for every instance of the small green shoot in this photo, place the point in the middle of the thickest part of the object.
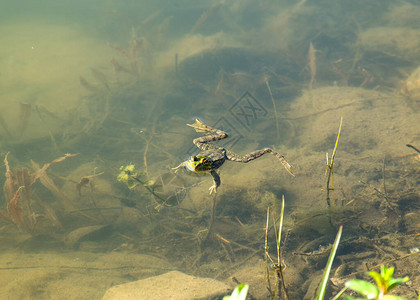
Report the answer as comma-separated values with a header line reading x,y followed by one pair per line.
x,y
330,169
275,265
239,293
129,175
324,281
384,284
132,178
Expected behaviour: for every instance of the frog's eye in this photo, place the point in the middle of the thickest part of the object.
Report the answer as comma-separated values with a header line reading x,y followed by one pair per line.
x,y
203,160
197,160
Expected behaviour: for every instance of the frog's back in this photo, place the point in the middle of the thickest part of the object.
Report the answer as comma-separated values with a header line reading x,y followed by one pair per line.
x,y
218,156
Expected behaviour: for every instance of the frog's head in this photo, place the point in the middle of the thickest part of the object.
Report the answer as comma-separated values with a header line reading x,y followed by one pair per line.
x,y
200,163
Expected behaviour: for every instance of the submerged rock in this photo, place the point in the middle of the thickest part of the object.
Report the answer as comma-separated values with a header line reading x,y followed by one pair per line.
x,y
73,238
172,285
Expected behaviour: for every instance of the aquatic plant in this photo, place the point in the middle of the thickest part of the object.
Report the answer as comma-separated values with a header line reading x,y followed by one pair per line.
x,y
18,194
129,176
330,170
276,265
167,189
323,285
239,293
384,280
384,284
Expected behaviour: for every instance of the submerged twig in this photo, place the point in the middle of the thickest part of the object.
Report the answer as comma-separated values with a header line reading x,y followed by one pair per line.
x,y
381,264
146,149
88,86
388,203
412,147
312,64
383,178
84,181
368,77
336,65
118,67
101,77
266,253
212,217
219,87
4,125
274,107
91,195
176,64
24,115
203,18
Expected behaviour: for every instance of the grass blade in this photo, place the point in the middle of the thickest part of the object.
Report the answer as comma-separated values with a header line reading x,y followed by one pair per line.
x,y
327,270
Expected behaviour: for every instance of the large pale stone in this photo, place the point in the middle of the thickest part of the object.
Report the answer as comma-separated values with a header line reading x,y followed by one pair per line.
x,y
172,285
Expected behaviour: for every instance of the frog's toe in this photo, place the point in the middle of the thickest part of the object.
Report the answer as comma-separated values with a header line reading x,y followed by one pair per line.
x,y
213,189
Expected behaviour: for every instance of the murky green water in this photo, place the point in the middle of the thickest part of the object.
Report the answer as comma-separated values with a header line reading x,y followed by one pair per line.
x,y
115,82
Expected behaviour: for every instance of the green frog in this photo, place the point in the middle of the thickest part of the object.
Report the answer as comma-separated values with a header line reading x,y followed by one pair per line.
x,y
212,157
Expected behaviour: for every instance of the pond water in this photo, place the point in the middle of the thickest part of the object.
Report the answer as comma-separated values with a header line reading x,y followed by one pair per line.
x,y
88,88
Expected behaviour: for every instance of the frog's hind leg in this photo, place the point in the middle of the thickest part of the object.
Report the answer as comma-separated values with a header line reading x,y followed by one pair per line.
x,y
249,157
213,134
256,154
204,142
208,130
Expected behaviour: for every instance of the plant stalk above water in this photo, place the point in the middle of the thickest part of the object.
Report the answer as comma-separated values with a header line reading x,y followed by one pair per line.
x,y
330,170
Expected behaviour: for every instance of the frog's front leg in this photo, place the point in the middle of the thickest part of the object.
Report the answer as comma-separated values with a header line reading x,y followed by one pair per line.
x,y
216,182
180,166
256,154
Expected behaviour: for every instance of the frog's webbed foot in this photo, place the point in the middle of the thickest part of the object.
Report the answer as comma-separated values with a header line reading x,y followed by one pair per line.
x,y
284,162
201,127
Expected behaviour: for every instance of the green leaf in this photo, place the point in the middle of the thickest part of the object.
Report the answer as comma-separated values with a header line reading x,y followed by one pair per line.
x,y
387,273
340,293
353,298
239,293
363,287
327,269
378,278
280,223
392,297
394,282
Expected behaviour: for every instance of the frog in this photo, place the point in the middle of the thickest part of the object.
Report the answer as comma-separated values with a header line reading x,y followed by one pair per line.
x,y
212,157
